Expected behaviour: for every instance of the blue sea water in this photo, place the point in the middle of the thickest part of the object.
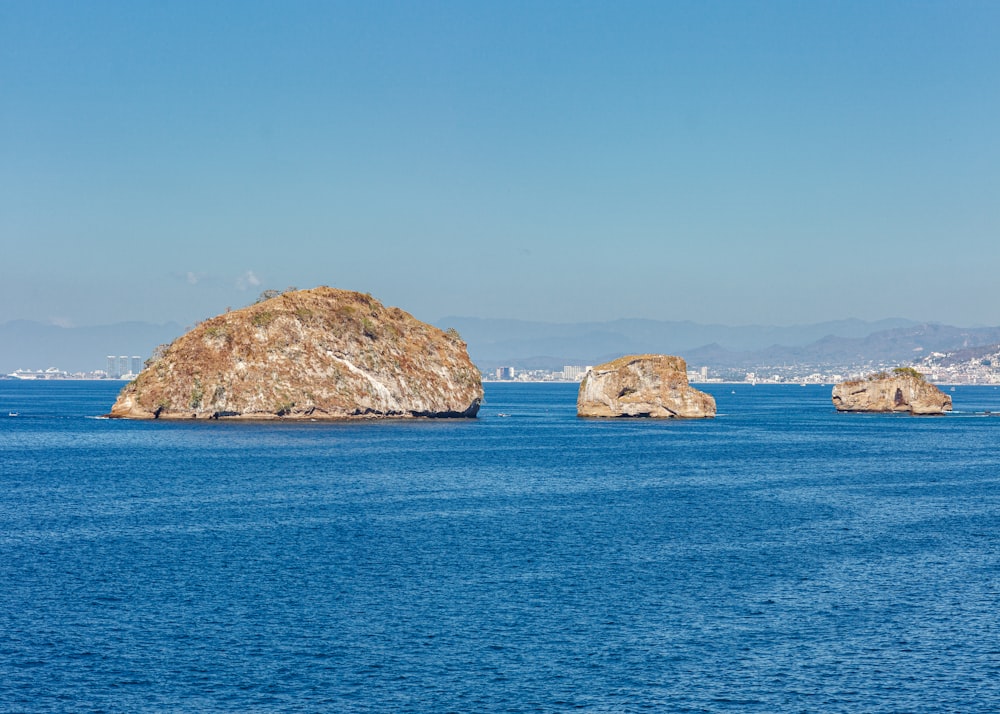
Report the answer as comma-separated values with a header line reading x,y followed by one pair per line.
x,y
779,558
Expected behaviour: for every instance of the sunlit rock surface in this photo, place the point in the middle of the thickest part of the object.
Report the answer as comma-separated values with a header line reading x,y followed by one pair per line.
x,y
653,386
308,354
891,393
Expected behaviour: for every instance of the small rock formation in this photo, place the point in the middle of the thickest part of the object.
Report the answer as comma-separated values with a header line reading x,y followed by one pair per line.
x,y
308,354
642,386
904,390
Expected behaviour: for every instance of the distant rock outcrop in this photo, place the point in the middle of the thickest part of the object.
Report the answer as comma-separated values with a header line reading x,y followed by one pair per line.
x,y
642,386
904,390
308,354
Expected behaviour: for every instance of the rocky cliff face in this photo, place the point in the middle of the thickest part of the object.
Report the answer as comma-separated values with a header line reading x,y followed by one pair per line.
x,y
308,354
895,393
642,386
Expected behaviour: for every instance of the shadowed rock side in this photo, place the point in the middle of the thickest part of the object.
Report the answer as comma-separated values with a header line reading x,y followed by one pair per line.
x,y
308,354
653,386
891,394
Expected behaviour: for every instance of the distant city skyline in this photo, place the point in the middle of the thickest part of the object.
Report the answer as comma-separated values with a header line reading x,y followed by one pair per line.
x,y
121,365
767,163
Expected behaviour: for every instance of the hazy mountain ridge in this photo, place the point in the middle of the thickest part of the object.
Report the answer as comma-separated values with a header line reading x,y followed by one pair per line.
x,y
540,345
528,345
516,338
979,353
907,345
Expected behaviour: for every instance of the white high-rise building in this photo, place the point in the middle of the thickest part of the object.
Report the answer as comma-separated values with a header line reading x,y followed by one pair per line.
x,y
505,373
573,372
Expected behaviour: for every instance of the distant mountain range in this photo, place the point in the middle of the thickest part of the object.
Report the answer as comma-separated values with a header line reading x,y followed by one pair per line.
x,y
541,345
900,346
978,354
538,345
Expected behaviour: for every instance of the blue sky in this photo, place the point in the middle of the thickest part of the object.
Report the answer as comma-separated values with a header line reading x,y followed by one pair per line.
x,y
730,162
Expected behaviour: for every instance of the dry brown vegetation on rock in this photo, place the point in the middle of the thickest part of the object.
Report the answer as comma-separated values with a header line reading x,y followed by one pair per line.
x,y
320,353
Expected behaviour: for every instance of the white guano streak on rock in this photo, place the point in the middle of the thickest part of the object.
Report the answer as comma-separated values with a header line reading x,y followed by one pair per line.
x,y
380,389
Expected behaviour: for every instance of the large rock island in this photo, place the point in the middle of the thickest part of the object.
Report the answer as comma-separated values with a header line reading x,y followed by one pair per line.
x,y
902,390
642,386
308,354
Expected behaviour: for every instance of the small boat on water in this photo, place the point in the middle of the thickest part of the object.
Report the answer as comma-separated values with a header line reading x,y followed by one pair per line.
x,y
12,414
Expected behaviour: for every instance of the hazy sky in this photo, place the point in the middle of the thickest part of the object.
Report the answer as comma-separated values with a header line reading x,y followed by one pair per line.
x,y
734,162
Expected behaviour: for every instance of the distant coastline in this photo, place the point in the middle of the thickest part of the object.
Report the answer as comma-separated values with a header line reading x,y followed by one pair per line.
x,y
57,375
51,375
514,349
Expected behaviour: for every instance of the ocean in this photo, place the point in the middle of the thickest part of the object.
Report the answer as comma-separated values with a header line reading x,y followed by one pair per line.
x,y
781,557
